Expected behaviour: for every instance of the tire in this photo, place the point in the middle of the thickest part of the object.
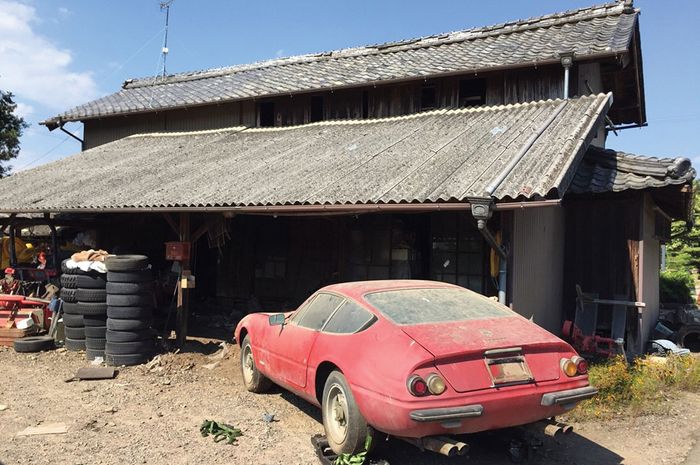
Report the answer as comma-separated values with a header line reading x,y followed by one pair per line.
x,y
130,288
127,359
139,276
71,309
253,380
130,300
95,344
72,320
130,313
92,354
75,344
350,438
126,262
69,281
91,295
68,295
33,344
91,281
135,347
95,332
99,321
92,308
129,336
128,325
75,333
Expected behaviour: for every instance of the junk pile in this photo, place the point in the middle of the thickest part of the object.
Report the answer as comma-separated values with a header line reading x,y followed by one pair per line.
x,y
130,303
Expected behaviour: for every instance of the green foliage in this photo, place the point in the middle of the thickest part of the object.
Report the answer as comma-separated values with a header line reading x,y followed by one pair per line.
x,y
639,388
220,431
683,252
357,459
11,127
676,287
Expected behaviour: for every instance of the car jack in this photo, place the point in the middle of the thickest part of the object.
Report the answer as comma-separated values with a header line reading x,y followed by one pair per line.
x,y
327,456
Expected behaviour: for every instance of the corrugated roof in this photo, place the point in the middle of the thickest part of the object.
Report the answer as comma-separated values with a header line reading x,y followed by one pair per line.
x,y
589,32
444,155
611,171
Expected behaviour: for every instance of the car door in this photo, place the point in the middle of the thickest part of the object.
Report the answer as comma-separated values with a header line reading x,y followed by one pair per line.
x,y
289,345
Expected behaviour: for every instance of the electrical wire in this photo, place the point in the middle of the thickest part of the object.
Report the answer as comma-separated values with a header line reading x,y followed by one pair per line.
x,y
41,157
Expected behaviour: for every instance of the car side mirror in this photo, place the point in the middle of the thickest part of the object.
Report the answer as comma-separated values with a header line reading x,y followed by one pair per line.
x,y
276,320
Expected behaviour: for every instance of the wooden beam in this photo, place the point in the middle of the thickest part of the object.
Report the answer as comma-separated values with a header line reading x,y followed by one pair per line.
x,y
171,222
183,301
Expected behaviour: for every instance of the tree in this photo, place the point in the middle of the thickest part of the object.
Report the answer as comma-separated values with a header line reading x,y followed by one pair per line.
x,y
11,127
683,252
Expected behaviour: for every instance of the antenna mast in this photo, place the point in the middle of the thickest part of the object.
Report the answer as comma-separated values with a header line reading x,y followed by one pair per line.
x,y
165,6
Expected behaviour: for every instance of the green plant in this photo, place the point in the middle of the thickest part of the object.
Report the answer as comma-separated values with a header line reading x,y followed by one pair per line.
x,y
676,287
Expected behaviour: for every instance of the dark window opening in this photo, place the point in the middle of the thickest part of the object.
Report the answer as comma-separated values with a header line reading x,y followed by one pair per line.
x,y
428,101
472,92
267,114
365,104
316,109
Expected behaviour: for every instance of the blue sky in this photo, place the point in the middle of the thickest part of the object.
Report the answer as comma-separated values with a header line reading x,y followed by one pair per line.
x,y
57,54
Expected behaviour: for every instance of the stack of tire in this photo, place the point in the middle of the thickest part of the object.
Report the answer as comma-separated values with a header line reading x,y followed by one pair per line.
x,y
84,311
130,303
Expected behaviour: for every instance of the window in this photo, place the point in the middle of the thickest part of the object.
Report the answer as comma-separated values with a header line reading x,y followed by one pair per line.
x,y
428,100
472,92
365,104
267,114
350,318
316,109
457,254
317,312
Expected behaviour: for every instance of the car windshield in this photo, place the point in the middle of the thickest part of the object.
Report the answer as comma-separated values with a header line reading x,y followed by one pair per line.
x,y
417,306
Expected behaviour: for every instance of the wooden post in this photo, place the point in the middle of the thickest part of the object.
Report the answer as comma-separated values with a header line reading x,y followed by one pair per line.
x,y
183,301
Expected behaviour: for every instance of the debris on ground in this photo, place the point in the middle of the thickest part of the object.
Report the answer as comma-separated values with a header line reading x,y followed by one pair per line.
x,y
93,373
327,457
220,431
49,428
269,417
3,407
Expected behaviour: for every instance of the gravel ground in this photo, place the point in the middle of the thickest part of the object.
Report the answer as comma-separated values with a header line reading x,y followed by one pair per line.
x,y
151,414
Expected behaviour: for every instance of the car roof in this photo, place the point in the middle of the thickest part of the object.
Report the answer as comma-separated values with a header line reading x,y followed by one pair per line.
x,y
357,289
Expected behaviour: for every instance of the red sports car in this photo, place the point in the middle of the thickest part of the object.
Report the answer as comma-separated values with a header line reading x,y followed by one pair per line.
x,y
411,359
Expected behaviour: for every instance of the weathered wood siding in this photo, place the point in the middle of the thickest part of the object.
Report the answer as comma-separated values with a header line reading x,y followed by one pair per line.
x,y
649,265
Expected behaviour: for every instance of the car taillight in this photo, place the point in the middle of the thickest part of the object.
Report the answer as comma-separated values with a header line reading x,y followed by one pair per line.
x,y
581,365
436,385
568,367
417,386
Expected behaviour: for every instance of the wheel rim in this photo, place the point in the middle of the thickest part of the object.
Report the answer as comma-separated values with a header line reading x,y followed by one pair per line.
x,y
247,365
336,413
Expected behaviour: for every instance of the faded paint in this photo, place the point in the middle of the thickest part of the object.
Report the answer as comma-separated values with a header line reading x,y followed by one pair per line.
x,y
650,258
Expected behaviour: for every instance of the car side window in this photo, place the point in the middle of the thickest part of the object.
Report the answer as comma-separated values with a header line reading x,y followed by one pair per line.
x,y
317,312
350,318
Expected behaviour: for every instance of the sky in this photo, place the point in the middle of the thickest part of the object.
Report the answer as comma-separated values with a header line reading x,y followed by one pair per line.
x,y
57,54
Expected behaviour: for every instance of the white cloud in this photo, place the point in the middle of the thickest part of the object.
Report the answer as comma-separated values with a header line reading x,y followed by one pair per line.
x,y
24,110
35,69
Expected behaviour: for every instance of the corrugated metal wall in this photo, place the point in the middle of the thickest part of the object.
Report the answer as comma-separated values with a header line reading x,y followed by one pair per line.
x,y
538,265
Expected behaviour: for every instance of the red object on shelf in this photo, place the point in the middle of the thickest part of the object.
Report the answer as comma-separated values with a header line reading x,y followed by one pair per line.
x,y
177,250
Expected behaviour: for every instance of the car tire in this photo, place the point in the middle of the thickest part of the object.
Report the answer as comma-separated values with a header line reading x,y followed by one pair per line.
x,y
128,325
95,344
130,313
95,332
75,333
347,434
139,276
91,281
74,344
129,288
99,320
73,320
126,359
130,300
91,295
134,347
126,262
33,344
92,354
69,281
129,336
68,295
92,308
253,380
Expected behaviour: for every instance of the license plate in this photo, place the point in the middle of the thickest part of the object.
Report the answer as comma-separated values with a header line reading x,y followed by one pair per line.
x,y
510,370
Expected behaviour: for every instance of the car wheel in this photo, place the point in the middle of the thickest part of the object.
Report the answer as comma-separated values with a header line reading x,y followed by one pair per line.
x,y
254,380
346,429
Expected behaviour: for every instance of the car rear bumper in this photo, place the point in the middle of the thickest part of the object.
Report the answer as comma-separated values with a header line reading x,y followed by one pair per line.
x,y
568,397
447,414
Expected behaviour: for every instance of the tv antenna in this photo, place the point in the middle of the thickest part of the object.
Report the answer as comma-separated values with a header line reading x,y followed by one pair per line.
x,y
165,6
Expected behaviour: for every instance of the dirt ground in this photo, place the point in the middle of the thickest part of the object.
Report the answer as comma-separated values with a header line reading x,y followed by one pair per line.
x,y
152,414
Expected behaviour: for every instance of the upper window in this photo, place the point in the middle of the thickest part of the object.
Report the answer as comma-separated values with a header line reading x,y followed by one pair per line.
x,y
472,92
316,113
428,99
417,306
267,114
350,318
317,312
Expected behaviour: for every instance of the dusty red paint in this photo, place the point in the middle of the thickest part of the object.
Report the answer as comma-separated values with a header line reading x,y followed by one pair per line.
x,y
378,361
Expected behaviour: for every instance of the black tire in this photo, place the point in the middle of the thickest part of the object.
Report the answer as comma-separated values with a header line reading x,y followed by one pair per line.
x,y
92,281
92,354
130,288
126,359
74,344
69,281
126,262
91,295
356,428
72,320
68,295
33,344
139,276
95,344
71,309
253,380
130,313
95,332
92,308
135,347
75,333
95,320
128,325
130,300
129,336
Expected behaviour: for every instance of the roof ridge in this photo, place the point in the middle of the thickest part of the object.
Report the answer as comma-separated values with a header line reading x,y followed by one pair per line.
x,y
569,16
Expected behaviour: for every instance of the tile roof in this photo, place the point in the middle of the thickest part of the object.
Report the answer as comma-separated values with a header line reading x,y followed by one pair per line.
x,y
437,156
612,171
590,32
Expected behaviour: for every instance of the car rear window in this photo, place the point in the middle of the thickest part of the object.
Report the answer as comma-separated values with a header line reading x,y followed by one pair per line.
x,y
417,306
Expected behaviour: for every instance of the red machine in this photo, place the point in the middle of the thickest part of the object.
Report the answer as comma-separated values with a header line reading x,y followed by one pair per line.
x,y
591,345
15,308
